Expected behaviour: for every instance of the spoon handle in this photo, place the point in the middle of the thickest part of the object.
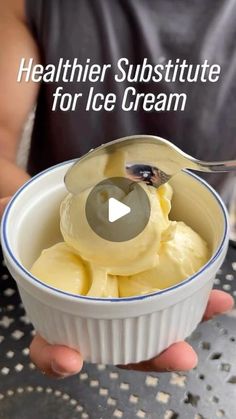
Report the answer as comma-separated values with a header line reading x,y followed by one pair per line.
x,y
217,166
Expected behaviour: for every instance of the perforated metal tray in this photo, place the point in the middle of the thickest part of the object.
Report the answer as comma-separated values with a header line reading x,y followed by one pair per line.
x,y
99,391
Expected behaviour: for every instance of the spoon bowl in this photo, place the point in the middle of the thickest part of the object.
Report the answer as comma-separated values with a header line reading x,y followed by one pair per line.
x,y
146,158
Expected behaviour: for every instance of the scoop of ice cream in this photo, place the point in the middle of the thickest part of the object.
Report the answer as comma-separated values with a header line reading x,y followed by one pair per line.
x,y
116,258
103,285
63,269
182,253
163,254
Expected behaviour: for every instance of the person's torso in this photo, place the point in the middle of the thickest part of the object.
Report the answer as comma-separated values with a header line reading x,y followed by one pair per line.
x,y
105,31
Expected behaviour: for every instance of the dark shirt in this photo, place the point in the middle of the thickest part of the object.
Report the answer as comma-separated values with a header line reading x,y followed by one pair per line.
x,y
106,30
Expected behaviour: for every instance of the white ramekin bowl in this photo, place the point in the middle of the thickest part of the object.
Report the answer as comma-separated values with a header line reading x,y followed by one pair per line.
x,y
111,331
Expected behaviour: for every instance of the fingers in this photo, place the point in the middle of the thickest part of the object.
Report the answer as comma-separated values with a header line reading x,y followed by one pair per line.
x,y
3,204
54,360
219,302
178,357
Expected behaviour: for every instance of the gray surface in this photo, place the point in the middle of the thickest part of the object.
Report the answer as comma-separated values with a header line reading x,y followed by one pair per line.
x,y
99,391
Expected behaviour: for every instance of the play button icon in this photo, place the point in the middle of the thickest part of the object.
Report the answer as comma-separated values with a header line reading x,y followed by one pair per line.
x,y
117,209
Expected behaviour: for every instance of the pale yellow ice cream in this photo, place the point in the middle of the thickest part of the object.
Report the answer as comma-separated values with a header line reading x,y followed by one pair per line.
x,y
163,254
62,268
126,258
181,254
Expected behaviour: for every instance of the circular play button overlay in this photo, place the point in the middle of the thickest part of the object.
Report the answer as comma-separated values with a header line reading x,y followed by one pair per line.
x,y
118,209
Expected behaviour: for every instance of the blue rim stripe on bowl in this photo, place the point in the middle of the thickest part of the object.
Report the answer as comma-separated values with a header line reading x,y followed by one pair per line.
x,y
84,297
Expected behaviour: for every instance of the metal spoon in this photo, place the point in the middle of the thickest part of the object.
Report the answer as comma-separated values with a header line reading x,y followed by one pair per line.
x,y
146,158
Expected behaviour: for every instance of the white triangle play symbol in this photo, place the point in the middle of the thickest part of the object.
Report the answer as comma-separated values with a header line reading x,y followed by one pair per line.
x,y
116,210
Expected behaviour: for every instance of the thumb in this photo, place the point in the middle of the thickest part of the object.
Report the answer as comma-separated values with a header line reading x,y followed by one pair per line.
x,y
55,360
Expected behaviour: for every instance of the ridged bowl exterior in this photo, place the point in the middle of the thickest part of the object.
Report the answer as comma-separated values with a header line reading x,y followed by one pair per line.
x,y
119,341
